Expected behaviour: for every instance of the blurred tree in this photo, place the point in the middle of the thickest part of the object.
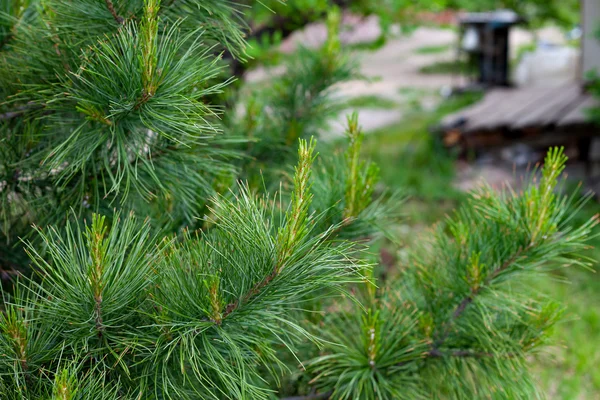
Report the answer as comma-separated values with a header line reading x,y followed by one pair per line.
x,y
269,25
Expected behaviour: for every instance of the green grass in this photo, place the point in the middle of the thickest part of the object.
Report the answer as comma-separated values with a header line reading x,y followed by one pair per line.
x,y
369,46
413,92
411,158
372,102
446,67
413,97
432,49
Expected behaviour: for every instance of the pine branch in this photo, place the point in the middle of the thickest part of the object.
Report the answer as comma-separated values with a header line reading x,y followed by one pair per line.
x,y
465,302
97,247
256,289
495,240
148,32
540,203
294,229
474,292
362,176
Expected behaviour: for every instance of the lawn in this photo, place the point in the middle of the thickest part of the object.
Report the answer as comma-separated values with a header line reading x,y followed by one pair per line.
x,y
433,49
371,101
446,67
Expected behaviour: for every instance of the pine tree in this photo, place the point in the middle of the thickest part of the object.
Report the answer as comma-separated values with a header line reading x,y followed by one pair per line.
x,y
463,319
176,251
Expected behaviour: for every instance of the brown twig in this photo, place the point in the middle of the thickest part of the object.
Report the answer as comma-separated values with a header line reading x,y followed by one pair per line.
x,y
98,318
109,4
231,307
460,353
469,299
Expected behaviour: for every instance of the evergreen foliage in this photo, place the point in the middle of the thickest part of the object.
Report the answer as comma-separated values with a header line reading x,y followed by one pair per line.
x,y
462,319
177,254
188,319
106,107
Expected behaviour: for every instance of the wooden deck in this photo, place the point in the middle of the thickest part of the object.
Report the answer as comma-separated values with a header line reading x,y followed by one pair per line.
x,y
544,115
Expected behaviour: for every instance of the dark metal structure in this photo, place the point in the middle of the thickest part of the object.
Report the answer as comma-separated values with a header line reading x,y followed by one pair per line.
x,y
486,42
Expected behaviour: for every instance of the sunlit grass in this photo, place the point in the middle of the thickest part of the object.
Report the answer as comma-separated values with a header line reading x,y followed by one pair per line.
x,y
446,68
372,102
412,158
433,49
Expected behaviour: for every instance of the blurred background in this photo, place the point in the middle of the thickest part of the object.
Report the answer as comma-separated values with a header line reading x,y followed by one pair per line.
x,y
456,91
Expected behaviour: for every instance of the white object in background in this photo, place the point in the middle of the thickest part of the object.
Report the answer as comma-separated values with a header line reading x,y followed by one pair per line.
x,y
575,33
547,66
445,91
470,41
522,71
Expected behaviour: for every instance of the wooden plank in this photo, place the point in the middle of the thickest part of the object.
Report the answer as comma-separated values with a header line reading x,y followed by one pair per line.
x,y
510,108
488,102
550,109
578,115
